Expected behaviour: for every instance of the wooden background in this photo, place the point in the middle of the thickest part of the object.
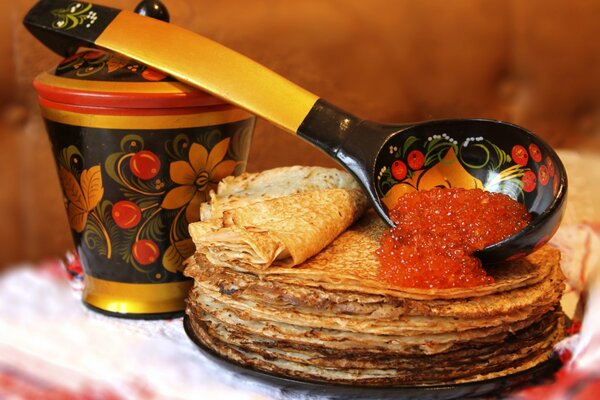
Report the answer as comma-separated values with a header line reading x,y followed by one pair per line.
x,y
535,63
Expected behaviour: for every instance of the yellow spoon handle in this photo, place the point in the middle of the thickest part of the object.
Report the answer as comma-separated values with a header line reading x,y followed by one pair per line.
x,y
205,64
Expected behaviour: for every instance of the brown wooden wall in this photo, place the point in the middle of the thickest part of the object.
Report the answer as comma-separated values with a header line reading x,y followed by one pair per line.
x,y
534,62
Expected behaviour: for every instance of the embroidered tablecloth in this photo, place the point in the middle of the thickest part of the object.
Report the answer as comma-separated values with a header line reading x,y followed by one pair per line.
x,y
52,347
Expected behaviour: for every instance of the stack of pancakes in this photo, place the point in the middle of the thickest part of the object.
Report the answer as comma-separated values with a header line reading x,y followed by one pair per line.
x,y
331,318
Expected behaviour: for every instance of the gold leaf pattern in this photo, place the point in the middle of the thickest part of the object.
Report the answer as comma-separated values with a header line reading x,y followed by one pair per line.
x,y
217,154
71,188
91,185
197,177
192,211
77,217
115,63
182,172
449,172
81,198
176,253
222,170
198,156
178,197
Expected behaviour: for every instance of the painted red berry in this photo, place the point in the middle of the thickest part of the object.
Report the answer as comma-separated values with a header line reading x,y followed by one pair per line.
x,y
519,155
126,214
144,164
153,75
398,170
550,165
145,251
535,152
71,58
543,175
555,185
529,181
93,55
415,160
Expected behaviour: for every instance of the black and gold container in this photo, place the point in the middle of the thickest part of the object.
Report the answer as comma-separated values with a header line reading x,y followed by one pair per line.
x,y
137,152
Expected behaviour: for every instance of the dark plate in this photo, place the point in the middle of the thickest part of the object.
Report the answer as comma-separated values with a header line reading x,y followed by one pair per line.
x,y
438,392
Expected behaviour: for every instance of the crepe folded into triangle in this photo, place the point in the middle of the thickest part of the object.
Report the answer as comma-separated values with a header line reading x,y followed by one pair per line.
x,y
250,222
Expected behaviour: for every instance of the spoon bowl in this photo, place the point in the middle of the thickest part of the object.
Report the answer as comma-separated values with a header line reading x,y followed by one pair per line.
x,y
475,153
386,159
391,160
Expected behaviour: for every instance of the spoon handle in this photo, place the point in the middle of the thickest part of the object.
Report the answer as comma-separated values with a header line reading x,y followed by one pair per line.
x,y
203,63
65,25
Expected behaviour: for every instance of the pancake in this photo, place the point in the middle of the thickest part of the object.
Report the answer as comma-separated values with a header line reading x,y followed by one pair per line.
x,y
525,356
363,358
254,288
388,340
336,268
327,339
286,283
285,230
403,326
249,188
281,216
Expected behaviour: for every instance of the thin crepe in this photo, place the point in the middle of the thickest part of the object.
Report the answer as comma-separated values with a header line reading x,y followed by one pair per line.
x,y
331,340
524,353
250,188
228,286
337,268
281,228
431,341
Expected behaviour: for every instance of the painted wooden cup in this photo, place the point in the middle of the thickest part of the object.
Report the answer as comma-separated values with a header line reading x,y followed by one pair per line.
x,y
137,152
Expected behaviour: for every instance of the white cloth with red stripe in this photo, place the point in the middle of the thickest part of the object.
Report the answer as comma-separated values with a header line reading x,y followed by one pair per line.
x,y
51,346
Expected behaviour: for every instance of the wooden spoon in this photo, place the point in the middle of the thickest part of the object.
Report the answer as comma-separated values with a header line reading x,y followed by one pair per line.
x,y
484,149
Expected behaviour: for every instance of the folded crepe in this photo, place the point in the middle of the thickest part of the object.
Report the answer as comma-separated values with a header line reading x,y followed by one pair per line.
x,y
282,216
248,188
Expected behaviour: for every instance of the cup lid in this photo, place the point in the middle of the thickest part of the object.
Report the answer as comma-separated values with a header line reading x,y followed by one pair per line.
x,y
97,78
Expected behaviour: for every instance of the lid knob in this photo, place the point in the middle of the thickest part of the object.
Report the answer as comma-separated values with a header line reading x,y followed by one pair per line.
x,y
153,9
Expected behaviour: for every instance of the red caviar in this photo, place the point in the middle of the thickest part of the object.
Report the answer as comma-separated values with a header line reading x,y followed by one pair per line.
x,y
437,232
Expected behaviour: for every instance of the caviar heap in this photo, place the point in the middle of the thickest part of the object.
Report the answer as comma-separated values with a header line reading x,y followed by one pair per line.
x,y
438,230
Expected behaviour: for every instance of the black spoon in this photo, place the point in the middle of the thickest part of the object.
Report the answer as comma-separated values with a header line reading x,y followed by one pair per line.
x,y
385,159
